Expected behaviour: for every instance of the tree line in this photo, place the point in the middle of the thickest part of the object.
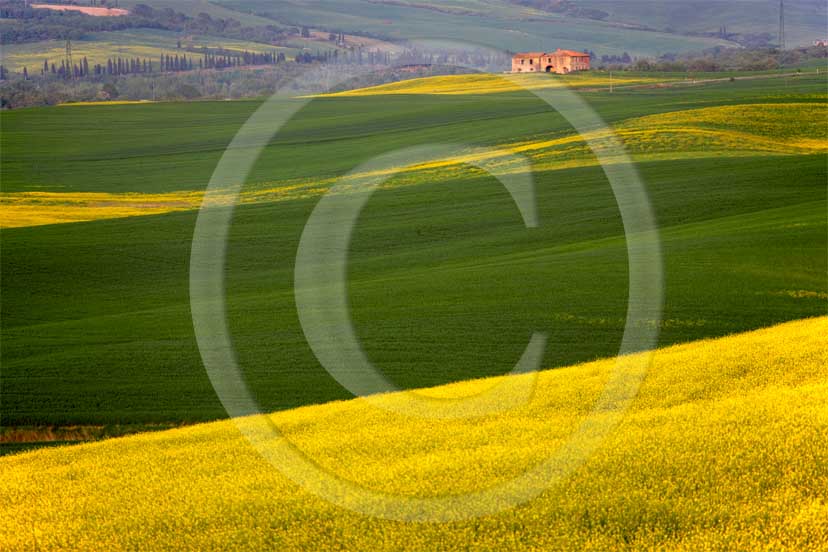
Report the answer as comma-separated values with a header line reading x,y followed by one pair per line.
x,y
189,85
719,59
135,66
220,59
25,24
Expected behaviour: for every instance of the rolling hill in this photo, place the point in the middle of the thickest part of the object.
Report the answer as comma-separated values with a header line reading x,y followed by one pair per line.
x,y
723,448
606,26
686,413
638,27
804,19
446,283
493,23
641,28
134,43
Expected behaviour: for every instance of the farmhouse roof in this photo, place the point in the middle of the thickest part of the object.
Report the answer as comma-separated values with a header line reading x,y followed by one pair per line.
x,y
572,53
530,54
558,52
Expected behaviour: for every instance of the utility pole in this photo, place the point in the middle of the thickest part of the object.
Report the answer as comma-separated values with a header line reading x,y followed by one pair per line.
x,y
611,89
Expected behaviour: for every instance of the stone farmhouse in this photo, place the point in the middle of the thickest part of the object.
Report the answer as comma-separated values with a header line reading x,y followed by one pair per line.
x,y
559,61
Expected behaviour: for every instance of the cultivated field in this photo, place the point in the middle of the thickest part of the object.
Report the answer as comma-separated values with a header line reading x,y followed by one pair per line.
x,y
213,9
494,23
134,43
445,282
803,18
723,449
641,27
86,10
486,83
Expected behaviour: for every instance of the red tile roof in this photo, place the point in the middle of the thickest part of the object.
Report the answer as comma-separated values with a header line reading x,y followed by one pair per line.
x,y
572,53
558,52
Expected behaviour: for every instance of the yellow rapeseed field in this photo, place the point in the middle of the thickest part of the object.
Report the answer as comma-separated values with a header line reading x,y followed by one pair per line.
x,y
487,83
23,209
771,127
748,129
41,208
722,131
740,130
723,449
106,102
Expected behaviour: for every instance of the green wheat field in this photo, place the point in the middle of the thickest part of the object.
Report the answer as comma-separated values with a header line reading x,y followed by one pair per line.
x,y
724,447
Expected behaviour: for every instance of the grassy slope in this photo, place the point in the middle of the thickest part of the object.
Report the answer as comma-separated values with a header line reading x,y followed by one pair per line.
x,y
501,24
151,43
195,7
487,83
143,43
723,449
804,19
446,283
173,147
490,22
745,130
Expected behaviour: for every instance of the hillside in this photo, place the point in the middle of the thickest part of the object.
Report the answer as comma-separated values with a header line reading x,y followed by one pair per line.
x,y
311,275
642,28
133,43
487,83
446,282
804,19
723,448
493,23
744,130
605,26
